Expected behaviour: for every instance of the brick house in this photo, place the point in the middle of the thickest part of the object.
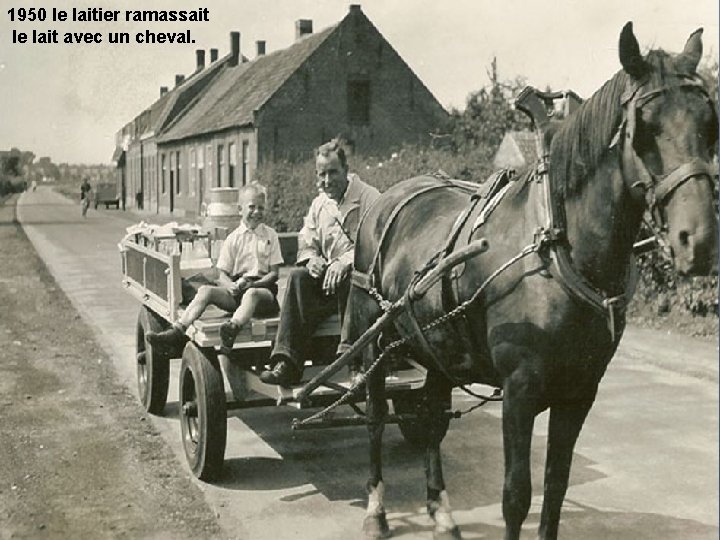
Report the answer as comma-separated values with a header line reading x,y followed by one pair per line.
x,y
135,156
346,79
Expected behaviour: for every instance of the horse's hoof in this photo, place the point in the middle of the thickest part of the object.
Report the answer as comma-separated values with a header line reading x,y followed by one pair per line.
x,y
375,526
452,534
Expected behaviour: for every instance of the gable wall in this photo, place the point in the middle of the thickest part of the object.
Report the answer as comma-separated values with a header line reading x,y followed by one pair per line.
x,y
312,106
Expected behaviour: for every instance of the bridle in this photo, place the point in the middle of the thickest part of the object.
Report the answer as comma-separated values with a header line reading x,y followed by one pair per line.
x,y
656,189
646,189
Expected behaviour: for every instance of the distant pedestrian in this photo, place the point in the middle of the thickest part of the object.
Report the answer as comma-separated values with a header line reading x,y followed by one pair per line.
x,y
85,190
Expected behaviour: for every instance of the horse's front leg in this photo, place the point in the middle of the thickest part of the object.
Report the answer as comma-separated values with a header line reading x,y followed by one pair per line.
x,y
565,423
520,405
375,523
437,402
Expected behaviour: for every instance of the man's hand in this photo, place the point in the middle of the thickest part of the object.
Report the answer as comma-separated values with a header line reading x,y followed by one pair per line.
x,y
334,275
316,266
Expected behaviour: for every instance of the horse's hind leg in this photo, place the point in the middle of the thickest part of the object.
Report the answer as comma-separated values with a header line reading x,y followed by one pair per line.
x,y
375,523
434,415
564,427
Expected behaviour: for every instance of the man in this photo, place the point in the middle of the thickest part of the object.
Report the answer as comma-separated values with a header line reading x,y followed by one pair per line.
x,y
85,190
320,284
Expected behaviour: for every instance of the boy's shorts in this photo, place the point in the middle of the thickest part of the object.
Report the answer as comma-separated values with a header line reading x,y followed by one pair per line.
x,y
264,309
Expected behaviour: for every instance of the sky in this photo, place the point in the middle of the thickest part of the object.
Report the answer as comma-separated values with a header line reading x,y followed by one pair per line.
x,y
67,101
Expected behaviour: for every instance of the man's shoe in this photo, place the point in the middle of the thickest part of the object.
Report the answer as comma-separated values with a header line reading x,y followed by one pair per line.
x,y
228,332
284,373
167,338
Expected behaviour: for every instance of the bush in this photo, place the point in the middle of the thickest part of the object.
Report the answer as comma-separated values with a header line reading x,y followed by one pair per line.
x,y
661,289
9,184
291,185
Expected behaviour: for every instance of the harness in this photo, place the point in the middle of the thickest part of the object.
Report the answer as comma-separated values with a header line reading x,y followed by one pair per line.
x,y
641,183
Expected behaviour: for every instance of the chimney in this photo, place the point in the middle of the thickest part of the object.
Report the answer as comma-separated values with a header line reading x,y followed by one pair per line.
x,y
260,48
354,8
179,79
163,90
303,27
213,55
200,59
234,48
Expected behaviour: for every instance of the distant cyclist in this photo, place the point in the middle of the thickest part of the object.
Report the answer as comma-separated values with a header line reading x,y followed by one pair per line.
x,y
85,190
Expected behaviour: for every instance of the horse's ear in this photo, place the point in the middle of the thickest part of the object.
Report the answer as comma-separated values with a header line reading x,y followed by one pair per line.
x,y
690,57
630,57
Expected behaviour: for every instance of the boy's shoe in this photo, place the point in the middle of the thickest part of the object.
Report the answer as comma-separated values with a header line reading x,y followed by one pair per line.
x,y
228,332
167,338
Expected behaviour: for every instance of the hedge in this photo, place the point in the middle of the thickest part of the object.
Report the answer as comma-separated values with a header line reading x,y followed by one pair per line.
x,y
291,186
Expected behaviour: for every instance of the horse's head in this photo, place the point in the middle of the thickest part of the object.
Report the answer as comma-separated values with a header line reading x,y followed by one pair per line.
x,y
670,130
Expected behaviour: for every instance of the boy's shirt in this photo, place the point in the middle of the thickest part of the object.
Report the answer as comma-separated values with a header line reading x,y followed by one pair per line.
x,y
250,253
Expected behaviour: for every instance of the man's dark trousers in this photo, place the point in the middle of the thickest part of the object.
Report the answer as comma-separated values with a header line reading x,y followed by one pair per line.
x,y
304,307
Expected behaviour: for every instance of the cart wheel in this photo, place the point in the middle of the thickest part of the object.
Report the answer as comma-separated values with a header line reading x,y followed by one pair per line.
x,y
203,411
153,368
412,431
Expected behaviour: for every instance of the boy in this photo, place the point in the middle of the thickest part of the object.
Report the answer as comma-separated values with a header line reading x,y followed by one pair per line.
x,y
248,265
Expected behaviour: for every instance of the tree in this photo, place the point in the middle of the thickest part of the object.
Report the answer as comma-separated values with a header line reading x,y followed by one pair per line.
x,y
488,114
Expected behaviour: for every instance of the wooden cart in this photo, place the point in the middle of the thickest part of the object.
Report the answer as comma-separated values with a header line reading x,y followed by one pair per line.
x,y
212,384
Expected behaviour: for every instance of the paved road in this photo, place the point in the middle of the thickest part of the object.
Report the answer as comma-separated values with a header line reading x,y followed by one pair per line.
x,y
646,464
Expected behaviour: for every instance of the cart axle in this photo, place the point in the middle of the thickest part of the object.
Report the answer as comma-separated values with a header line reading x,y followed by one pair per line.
x,y
190,409
357,420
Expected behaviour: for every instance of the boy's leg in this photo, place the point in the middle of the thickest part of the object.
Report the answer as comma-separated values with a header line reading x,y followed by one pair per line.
x,y
206,295
253,301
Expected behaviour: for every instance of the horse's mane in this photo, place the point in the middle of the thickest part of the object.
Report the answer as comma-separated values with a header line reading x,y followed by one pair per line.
x,y
582,141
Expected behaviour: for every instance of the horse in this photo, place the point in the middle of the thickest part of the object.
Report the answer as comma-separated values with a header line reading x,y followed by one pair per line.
x,y
541,312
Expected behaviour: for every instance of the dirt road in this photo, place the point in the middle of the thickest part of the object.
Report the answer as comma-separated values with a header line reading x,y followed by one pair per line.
x,y
645,465
79,458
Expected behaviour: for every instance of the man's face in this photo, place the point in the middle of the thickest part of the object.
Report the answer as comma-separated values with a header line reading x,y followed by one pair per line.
x,y
331,176
252,208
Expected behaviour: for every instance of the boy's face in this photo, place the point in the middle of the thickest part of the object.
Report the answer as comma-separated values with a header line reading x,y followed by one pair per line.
x,y
252,209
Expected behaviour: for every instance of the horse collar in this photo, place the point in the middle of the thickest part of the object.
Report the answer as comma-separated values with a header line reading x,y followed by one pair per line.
x,y
572,282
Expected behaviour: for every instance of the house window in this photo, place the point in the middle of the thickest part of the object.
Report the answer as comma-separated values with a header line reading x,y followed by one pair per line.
x,y
178,176
163,173
358,102
201,169
208,157
220,164
193,171
233,164
171,169
245,162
